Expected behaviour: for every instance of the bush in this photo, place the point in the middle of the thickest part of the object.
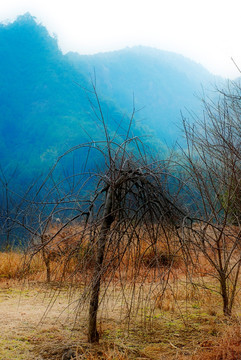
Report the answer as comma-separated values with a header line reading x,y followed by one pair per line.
x,y
153,258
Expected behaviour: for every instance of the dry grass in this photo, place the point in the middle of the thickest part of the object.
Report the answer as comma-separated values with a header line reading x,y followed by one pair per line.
x,y
227,346
70,253
11,264
180,321
182,330
15,265
85,352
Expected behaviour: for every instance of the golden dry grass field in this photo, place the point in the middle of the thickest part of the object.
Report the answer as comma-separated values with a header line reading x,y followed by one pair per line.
x,y
45,321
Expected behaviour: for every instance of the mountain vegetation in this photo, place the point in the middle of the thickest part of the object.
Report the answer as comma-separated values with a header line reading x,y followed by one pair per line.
x,y
43,111
163,84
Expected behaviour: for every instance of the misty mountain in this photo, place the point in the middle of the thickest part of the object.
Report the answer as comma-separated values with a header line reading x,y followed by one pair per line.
x,y
43,111
162,84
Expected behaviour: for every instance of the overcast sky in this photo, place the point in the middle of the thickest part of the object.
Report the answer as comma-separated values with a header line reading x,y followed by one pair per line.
x,y
207,31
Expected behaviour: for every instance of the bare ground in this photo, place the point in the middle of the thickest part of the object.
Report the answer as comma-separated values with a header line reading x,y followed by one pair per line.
x,y
37,324
31,318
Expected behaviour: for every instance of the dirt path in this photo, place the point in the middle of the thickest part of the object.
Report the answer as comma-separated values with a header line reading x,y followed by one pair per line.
x,y
26,328
33,329
39,322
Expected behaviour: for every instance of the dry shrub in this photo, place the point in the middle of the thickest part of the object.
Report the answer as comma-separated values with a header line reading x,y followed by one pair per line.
x,y
16,265
201,266
181,294
191,292
157,249
70,251
137,255
71,254
67,255
105,354
33,265
166,301
65,351
11,265
159,258
61,241
226,347
66,251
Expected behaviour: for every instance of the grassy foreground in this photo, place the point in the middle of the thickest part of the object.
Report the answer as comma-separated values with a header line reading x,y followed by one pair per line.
x,y
43,321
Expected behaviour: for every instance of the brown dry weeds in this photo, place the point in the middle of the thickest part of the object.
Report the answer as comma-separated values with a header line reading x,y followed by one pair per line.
x,y
185,322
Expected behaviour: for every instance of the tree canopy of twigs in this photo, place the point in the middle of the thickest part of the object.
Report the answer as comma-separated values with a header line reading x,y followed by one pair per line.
x,y
118,208
122,207
212,161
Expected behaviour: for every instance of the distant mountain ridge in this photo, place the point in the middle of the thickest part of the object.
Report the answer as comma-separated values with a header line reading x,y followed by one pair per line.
x,y
163,83
43,112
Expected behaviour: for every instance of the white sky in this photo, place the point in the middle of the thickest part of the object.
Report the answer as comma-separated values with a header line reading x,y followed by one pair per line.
x,y
207,31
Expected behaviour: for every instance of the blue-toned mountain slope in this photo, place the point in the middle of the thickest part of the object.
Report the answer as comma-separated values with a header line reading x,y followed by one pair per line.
x,y
43,111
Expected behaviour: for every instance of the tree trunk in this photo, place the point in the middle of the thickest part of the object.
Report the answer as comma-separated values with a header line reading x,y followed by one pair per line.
x,y
48,271
47,265
224,292
93,335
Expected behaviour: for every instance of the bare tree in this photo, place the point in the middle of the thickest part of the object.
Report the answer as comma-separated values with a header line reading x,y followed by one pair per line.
x,y
11,211
135,196
6,213
127,199
212,161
